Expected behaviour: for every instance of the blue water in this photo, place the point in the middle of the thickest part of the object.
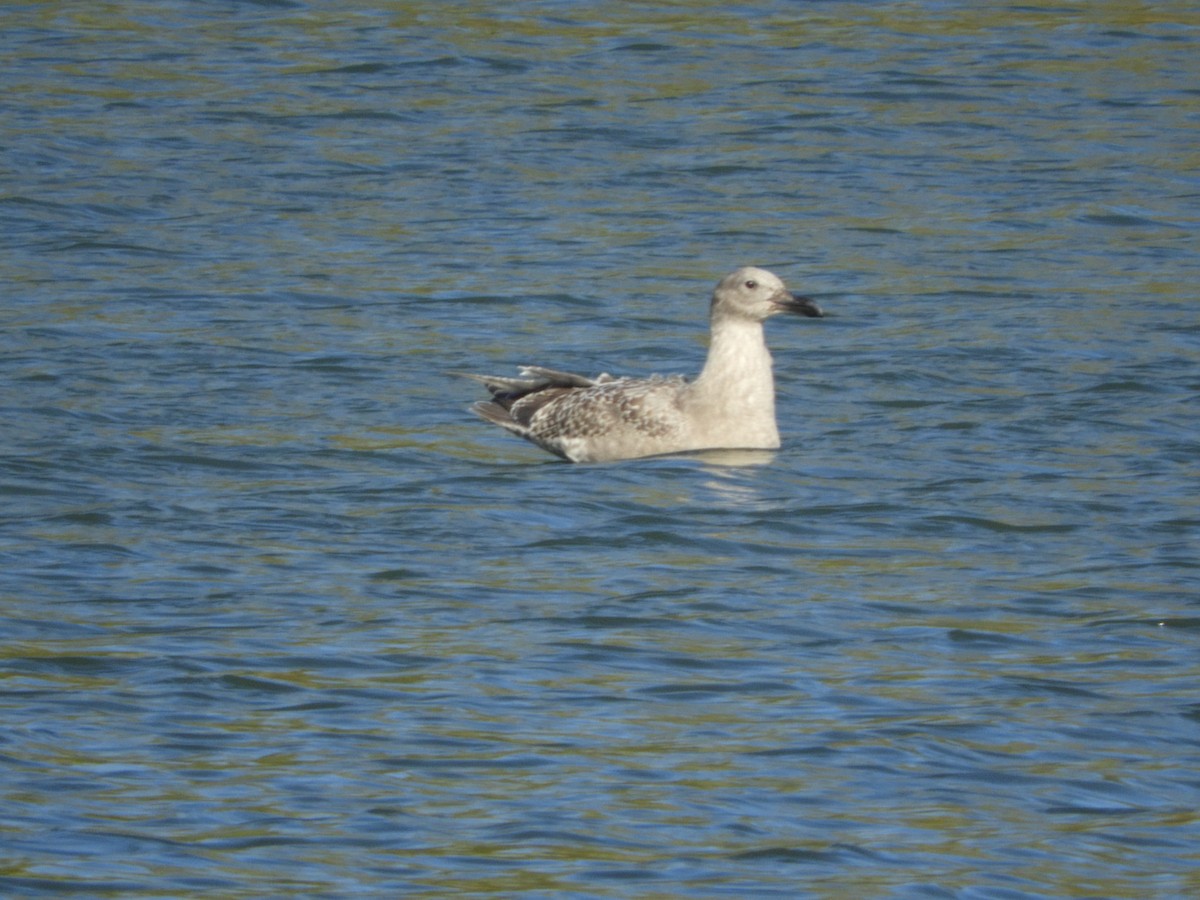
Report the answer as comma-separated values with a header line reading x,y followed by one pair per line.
x,y
279,618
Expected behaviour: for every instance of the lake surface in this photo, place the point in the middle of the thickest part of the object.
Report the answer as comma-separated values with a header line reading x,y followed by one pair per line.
x,y
278,617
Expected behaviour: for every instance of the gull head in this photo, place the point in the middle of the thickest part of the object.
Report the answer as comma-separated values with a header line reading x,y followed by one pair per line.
x,y
756,294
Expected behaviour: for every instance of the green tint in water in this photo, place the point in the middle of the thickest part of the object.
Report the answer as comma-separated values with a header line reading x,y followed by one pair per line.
x,y
281,618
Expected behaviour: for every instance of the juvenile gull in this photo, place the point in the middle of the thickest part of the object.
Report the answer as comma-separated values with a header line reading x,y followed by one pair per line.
x,y
730,404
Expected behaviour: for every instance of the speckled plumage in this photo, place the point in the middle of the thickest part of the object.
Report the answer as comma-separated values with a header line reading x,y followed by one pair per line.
x,y
731,404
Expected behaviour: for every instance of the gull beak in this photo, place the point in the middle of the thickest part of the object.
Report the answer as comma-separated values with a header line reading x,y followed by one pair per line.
x,y
794,303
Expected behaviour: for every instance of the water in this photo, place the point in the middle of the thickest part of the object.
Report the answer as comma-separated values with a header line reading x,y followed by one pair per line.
x,y
280,619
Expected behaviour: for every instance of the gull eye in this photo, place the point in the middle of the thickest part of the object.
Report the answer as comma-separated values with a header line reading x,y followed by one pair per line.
x,y
751,284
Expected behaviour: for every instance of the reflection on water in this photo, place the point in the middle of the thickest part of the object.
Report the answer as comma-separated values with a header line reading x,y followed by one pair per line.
x,y
280,617
735,458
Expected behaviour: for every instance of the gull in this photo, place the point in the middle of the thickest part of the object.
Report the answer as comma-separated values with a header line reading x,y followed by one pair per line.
x,y
729,405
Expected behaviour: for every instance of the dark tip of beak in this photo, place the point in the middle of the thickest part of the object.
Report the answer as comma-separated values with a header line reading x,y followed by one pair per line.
x,y
803,306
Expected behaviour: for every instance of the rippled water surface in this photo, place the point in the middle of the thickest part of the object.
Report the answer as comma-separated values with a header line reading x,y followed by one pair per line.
x,y
279,618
